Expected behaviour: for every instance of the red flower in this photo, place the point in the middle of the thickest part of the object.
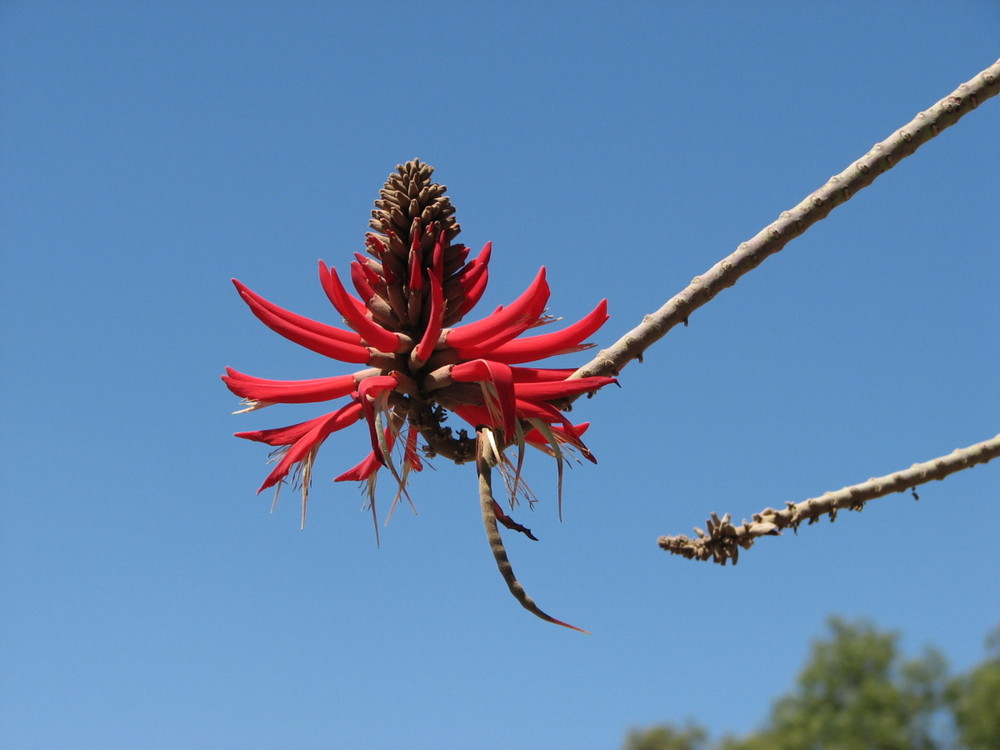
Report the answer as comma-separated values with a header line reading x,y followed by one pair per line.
x,y
420,363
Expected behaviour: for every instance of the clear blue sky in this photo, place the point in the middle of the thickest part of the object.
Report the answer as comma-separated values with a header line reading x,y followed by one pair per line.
x,y
151,151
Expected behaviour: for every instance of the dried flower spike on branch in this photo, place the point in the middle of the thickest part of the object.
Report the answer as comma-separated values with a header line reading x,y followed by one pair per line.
x,y
723,540
413,288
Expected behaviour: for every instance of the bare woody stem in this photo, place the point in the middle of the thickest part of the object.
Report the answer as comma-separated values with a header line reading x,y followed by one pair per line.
x,y
486,459
773,238
722,542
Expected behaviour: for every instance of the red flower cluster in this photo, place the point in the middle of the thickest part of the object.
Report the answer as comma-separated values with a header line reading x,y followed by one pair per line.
x,y
412,290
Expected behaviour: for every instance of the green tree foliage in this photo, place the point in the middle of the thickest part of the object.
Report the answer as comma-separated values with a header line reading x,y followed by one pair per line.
x,y
975,700
856,692
666,737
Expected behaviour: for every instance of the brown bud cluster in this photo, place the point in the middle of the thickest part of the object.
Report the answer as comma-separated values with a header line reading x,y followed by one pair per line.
x,y
411,217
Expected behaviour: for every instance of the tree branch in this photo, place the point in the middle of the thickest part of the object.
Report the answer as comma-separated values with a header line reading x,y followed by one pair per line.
x,y
773,238
722,541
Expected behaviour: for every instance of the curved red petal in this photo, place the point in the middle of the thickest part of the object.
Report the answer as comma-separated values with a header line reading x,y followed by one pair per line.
x,y
432,331
437,256
482,260
550,344
292,391
343,417
318,337
475,415
474,339
530,409
362,471
546,391
310,440
361,282
415,277
471,296
500,377
369,464
474,269
355,312
540,374
411,456
536,438
368,390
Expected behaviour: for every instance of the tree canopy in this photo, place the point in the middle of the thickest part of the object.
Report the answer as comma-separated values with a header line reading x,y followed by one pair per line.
x,y
858,692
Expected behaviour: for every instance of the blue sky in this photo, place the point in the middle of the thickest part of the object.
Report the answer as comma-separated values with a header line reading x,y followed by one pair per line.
x,y
151,151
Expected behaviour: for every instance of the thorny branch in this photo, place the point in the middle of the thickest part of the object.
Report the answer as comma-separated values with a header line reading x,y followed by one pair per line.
x,y
773,238
723,540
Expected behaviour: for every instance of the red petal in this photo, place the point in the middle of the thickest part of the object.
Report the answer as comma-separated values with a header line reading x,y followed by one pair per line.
x,y
536,436
307,442
369,465
341,418
540,375
561,389
292,391
437,256
537,439
355,312
456,258
369,266
361,283
479,415
411,456
550,344
547,413
375,245
474,339
502,380
475,415
415,279
318,337
465,288
362,471
368,390
474,293
423,350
